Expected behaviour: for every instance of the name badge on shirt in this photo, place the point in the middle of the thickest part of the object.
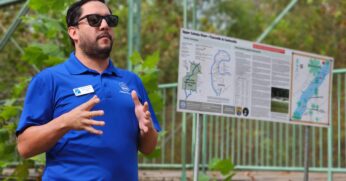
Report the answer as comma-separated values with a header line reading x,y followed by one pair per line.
x,y
83,90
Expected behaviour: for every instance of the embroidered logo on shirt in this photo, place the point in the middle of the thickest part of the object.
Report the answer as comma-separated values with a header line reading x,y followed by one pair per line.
x,y
83,90
124,88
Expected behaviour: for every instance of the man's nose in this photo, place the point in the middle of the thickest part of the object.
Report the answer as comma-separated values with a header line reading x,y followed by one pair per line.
x,y
104,25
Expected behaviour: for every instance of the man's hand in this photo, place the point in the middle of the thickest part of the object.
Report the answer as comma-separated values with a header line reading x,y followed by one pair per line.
x,y
148,135
80,118
38,139
142,114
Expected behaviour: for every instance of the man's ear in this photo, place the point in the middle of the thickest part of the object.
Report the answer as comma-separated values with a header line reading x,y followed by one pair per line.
x,y
72,32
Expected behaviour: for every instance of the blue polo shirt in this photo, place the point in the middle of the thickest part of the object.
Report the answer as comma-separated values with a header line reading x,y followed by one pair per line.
x,y
80,155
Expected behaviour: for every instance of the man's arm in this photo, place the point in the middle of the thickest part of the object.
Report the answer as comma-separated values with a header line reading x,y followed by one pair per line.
x,y
38,139
148,134
148,140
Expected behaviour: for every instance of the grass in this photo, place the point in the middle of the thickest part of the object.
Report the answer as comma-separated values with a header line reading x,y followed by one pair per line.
x,y
281,107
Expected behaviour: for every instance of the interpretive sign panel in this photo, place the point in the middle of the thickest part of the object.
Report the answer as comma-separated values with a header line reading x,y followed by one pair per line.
x,y
226,76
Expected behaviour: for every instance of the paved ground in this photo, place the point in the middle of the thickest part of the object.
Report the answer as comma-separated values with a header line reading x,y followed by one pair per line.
x,y
169,175
175,175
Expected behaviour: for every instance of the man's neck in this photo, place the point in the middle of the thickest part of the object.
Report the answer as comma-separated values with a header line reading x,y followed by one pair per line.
x,y
98,65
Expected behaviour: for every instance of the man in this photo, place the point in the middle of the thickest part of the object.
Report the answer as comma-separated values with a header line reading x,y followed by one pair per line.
x,y
88,116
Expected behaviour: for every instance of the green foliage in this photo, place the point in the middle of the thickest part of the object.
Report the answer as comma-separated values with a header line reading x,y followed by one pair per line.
x,y
152,60
8,112
225,167
160,27
50,45
233,19
6,147
155,154
51,27
203,177
43,55
21,171
19,88
136,59
51,6
39,159
148,72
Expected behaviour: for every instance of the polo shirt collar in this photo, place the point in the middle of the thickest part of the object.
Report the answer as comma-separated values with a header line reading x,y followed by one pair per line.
x,y
74,66
111,69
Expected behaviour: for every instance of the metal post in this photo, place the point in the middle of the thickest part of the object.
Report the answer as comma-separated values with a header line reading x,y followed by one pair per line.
x,y
183,149
137,25
183,142
198,134
9,2
14,25
204,143
133,29
8,35
306,154
185,14
276,21
194,15
129,34
15,43
330,141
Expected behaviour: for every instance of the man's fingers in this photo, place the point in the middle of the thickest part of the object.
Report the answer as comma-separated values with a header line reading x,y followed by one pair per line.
x,y
147,115
135,98
90,103
144,128
95,113
93,130
145,106
90,122
143,116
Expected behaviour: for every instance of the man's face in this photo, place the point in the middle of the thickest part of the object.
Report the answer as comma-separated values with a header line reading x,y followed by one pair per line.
x,y
95,42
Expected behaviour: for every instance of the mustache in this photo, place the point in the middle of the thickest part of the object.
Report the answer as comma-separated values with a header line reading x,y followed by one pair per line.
x,y
102,35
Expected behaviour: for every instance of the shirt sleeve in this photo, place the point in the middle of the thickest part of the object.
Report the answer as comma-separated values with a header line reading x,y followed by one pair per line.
x,y
38,104
143,94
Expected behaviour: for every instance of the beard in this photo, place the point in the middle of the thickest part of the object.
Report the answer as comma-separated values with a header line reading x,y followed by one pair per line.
x,y
93,50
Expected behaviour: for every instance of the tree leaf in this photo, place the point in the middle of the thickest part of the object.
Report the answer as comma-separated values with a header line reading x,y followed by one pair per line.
x,y
224,166
203,177
156,100
20,87
152,60
8,112
155,154
136,58
4,135
39,6
34,55
22,170
229,177
39,159
53,60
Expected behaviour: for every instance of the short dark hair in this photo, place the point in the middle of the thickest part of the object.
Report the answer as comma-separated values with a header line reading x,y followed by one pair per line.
x,y
74,12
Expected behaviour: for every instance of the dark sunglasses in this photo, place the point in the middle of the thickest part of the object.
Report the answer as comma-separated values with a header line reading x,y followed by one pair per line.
x,y
95,20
